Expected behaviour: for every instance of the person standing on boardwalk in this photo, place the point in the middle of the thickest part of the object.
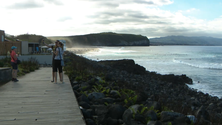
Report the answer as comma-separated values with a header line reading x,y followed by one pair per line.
x,y
53,58
14,63
58,57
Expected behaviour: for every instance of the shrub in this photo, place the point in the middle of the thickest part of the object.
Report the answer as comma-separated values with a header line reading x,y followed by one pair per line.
x,y
1,64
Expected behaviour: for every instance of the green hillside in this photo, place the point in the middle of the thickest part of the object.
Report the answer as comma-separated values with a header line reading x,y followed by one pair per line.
x,y
33,38
104,39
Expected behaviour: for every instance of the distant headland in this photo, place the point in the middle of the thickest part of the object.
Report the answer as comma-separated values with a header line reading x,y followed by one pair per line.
x,y
183,40
104,39
117,39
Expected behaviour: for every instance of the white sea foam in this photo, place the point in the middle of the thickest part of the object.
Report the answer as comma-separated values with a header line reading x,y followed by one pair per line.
x,y
201,65
205,88
196,62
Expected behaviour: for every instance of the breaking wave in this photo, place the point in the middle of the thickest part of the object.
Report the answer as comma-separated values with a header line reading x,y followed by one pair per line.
x,y
216,66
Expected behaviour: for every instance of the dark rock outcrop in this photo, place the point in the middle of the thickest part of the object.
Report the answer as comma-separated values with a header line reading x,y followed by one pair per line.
x,y
132,98
126,65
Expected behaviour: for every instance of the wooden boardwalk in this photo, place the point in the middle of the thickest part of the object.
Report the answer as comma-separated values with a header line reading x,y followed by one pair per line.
x,y
35,100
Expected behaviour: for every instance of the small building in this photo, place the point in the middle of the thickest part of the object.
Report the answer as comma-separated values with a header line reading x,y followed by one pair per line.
x,y
30,48
2,35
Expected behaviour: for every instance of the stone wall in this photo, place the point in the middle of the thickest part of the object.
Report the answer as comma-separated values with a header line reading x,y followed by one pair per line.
x,y
5,75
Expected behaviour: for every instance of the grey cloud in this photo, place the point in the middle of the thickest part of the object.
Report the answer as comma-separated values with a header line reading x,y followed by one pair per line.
x,y
56,2
161,32
117,2
126,16
135,21
108,4
144,2
63,19
175,29
26,5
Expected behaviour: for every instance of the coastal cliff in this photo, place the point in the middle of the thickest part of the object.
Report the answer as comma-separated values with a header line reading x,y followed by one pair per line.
x,y
104,39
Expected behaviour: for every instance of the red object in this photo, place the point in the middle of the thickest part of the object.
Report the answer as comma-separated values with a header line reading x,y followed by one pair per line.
x,y
12,56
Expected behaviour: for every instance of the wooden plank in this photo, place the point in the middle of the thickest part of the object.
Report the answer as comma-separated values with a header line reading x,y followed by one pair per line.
x,y
35,100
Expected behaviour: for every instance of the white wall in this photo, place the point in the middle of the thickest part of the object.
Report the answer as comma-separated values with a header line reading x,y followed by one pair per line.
x,y
25,49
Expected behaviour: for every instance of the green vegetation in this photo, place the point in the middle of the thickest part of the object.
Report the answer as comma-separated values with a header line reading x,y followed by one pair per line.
x,y
10,38
5,62
105,39
28,66
83,70
25,67
29,37
169,123
33,38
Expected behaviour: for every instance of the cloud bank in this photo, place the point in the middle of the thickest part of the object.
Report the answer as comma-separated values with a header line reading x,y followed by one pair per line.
x,y
92,16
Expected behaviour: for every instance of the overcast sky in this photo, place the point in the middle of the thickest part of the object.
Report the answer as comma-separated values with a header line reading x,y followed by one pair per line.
x,y
151,18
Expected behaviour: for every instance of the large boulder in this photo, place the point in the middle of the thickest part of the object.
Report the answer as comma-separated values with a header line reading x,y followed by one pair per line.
x,y
83,98
181,120
128,114
203,121
95,95
114,93
125,64
176,79
142,96
154,123
92,81
100,111
110,121
90,122
108,100
167,116
140,118
151,115
87,113
75,87
154,104
115,111
85,105
202,112
192,118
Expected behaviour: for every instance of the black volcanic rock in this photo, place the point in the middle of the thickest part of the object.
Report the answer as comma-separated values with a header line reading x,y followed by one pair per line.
x,y
115,111
125,64
166,95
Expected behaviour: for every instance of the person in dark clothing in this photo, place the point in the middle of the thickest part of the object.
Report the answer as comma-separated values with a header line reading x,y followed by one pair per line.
x,y
58,57
53,58
14,63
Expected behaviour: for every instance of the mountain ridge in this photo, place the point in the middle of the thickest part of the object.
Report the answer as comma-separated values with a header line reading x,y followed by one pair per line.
x,y
184,40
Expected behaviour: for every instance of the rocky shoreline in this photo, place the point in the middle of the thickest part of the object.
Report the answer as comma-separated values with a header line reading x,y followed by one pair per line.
x,y
120,92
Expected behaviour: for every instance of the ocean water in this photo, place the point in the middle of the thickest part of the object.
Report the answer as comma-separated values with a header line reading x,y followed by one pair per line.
x,y
201,63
